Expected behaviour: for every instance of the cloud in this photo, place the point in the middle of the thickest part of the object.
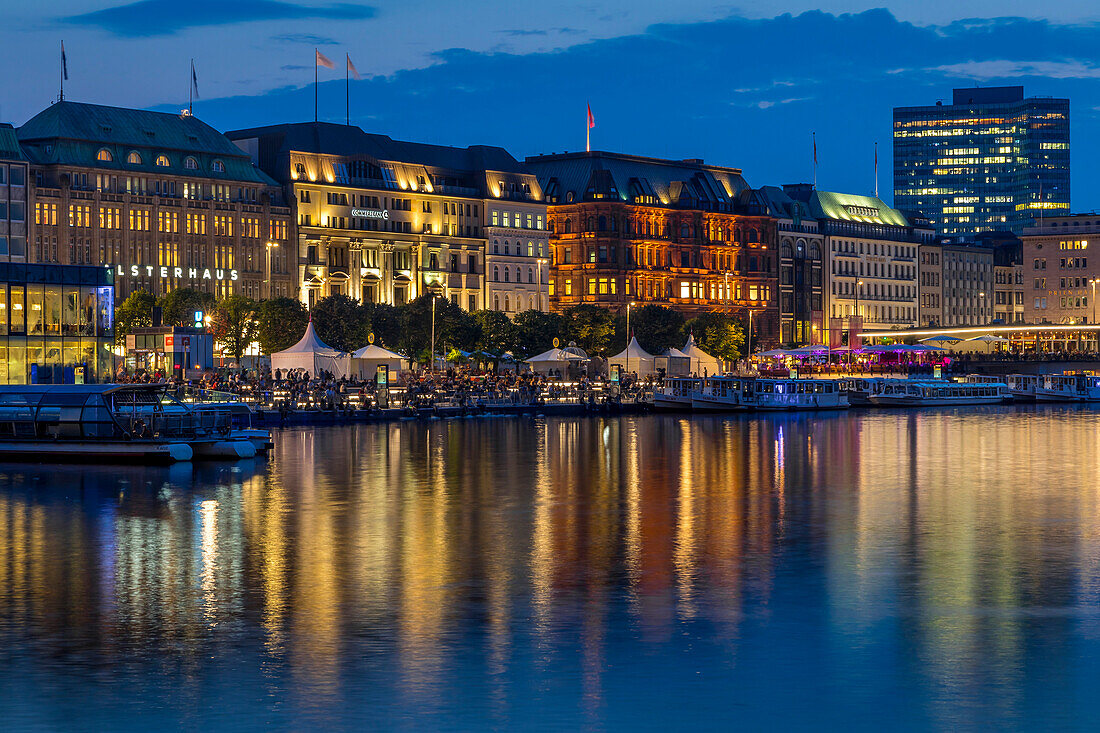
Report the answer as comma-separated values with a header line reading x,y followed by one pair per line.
x,y
1007,69
735,100
164,17
306,38
521,33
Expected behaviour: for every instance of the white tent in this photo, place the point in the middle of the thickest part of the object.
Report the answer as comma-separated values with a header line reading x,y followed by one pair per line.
x,y
634,359
365,361
553,359
312,355
701,361
675,363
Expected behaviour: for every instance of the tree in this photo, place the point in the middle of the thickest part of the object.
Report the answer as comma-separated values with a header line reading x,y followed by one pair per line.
x,y
454,327
590,326
718,334
234,325
179,306
134,312
535,331
498,333
387,322
657,327
281,323
341,322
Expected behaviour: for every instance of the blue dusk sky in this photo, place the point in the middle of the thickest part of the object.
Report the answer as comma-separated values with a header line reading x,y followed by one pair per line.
x,y
739,85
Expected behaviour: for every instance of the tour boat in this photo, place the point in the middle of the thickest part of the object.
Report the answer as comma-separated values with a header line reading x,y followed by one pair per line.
x,y
110,423
1068,388
675,393
796,394
721,394
1022,386
913,393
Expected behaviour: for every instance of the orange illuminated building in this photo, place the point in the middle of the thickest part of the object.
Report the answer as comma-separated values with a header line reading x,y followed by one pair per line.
x,y
628,229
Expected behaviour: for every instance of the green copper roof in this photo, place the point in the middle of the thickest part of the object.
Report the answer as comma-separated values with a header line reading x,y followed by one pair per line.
x,y
850,207
74,133
9,144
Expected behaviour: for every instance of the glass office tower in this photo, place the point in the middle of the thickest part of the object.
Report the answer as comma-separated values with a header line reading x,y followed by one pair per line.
x,y
991,160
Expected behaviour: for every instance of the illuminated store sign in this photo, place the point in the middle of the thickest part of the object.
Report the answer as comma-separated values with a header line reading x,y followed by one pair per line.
x,y
370,214
193,273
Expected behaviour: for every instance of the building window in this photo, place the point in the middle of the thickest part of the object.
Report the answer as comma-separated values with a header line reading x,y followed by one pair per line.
x,y
162,160
218,166
133,158
190,163
105,155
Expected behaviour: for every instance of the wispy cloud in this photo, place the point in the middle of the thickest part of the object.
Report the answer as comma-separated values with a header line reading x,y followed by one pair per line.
x,y
306,38
1006,68
522,32
164,17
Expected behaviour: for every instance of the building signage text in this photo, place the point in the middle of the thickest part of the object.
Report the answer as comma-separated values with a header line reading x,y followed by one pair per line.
x,y
370,213
191,273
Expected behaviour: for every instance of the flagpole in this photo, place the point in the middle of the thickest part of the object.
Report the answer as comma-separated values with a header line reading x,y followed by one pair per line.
x,y
315,85
61,96
814,134
347,87
191,90
876,170
587,136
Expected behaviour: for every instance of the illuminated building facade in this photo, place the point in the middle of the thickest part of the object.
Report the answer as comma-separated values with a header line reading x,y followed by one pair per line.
x,y
1008,282
625,228
163,200
517,254
1061,270
385,221
991,160
801,281
871,266
956,283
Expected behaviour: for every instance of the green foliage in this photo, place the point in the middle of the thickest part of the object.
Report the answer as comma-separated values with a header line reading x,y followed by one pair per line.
x,y
718,334
535,332
591,327
657,327
178,306
498,333
341,322
281,323
454,327
134,312
388,324
234,324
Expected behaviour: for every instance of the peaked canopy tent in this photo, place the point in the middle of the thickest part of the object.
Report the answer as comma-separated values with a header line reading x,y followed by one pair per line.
x,y
701,361
365,361
313,356
555,358
675,363
634,359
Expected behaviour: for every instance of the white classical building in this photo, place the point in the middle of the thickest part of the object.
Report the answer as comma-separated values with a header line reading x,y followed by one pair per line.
x,y
517,256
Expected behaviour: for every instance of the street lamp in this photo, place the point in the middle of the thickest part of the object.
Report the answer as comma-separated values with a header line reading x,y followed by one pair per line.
x,y
981,307
431,362
270,246
728,273
749,345
628,307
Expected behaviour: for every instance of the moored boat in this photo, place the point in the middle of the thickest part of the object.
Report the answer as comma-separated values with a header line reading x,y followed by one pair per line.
x,y
675,393
723,393
940,394
797,394
1068,388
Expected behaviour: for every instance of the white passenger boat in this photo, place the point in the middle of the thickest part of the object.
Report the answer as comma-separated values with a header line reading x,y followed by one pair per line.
x,y
912,393
102,423
796,394
675,393
1068,388
1022,386
722,393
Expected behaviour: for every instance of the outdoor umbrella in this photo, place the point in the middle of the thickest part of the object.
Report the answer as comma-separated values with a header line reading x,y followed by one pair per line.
x,y
987,338
942,338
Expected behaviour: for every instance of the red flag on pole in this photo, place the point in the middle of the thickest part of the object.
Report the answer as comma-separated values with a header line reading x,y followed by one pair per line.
x,y
352,70
323,60
591,119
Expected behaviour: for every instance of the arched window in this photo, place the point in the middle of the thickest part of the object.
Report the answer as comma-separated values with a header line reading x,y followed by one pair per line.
x,y
815,252
602,223
162,161
568,226
299,170
190,163
786,250
507,278
507,248
533,302
218,166
496,302
105,155
507,304
133,158
591,224
496,274
496,246
753,235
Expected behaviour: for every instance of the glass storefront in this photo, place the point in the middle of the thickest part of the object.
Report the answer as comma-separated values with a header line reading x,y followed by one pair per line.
x,y
56,324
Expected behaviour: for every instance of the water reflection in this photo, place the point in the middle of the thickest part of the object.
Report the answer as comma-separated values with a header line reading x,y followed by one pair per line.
x,y
943,567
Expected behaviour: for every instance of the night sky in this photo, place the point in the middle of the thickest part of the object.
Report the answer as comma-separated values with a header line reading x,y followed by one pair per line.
x,y
736,86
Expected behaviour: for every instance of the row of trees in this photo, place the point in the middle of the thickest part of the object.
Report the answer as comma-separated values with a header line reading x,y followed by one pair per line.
x,y
345,324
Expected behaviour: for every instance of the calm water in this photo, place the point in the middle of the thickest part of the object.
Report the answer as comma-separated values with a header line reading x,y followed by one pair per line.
x,y
865,570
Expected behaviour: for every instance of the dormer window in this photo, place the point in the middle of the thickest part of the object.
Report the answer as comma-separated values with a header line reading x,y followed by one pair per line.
x,y
218,167
133,158
104,155
162,161
299,170
190,163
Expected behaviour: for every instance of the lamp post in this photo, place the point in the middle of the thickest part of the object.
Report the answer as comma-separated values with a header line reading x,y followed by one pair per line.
x,y
628,307
981,307
851,327
269,246
728,273
1093,282
431,361
749,341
